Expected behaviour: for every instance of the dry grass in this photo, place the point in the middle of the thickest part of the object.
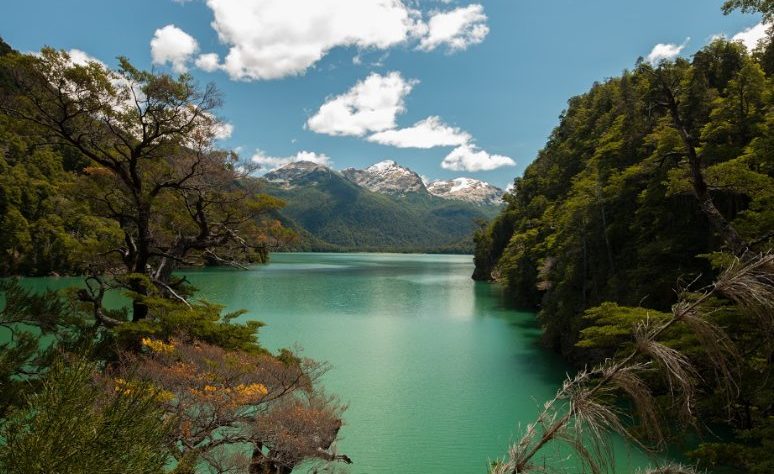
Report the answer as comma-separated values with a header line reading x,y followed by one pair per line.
x,y
629,381
749,282
581,415
677,370
669,469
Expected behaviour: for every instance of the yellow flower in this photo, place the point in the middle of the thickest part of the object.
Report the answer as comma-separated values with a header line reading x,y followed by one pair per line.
x,y
157,346
165,396
251,390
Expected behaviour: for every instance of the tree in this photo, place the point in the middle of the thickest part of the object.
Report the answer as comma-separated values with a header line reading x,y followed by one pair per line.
x,y
154,169
586,410
26,319
221,399
668,79
81,422
765,7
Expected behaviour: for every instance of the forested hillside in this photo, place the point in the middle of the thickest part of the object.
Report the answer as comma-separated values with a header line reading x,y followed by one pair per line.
x,y
607,210
332,213
114,174
651,181
45,225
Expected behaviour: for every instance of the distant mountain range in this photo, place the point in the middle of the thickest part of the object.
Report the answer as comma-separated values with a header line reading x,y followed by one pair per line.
x,y
385,207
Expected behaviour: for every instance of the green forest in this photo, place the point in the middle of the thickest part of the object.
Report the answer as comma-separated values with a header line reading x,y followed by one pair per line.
x,y
113,175
651,184
642,234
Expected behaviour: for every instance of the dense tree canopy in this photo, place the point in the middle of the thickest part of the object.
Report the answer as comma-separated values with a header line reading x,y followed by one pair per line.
x,y
152,168
646,178
115,175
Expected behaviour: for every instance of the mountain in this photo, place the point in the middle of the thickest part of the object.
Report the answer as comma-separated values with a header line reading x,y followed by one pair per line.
x,y
300,173
385,207
387,177
467,189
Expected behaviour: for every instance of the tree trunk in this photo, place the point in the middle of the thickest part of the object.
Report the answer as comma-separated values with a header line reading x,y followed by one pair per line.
x,y
724,228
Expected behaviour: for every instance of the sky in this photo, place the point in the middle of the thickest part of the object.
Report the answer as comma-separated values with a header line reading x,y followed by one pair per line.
x,y
448,88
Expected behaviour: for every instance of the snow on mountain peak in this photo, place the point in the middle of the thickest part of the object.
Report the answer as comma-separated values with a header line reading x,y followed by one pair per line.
x,y
386,177
383,166
466,189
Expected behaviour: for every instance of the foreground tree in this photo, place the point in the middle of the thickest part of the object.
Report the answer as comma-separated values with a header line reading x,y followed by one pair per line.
x,y
80,422
176,381
586,409
154,169
225,399
765,7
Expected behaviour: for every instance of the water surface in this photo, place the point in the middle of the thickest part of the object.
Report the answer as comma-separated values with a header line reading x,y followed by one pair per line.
x,y
438,372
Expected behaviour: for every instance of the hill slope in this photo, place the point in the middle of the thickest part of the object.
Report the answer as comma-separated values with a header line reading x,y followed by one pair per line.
x,y
330,211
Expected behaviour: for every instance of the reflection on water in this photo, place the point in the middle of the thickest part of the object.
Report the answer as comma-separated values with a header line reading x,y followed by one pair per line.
x,y
437,370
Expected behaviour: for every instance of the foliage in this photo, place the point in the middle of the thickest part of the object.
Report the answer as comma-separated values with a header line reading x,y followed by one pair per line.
x,y
587,408
648,178
223,398
766,7
80,423
46,225
115,174
607,212
152,169
33,327
201,321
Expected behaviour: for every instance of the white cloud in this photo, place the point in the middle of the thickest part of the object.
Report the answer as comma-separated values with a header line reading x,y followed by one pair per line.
x,y
268,163
81,58
751,36
468,158
428,133
369,109
665,51
172,45
270,39
371,105
457,29
223,130
208,62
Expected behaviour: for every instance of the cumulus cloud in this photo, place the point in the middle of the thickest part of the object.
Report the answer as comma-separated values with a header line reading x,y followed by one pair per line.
x,y
270,39
369,109
208,62
428,133
456,29
665,51
751,36
268,163
371,105
172,45
469,158
81,58
223,130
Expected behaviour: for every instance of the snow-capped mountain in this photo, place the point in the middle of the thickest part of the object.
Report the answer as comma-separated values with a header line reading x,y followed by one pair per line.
x,y
466,189
299,173
386,177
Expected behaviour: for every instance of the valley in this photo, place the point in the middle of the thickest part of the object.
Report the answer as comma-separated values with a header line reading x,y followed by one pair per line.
x,y
384,207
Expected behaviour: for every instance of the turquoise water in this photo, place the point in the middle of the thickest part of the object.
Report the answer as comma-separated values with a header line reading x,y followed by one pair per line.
x,y
438,372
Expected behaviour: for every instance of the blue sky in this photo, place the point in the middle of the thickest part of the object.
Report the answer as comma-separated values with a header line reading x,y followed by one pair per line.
x,y
492,76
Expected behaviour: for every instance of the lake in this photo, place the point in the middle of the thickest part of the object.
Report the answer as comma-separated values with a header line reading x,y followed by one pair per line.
x,y
438,371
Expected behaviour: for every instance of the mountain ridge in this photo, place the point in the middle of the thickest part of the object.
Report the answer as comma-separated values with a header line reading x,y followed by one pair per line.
x,y
385,207
388,177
